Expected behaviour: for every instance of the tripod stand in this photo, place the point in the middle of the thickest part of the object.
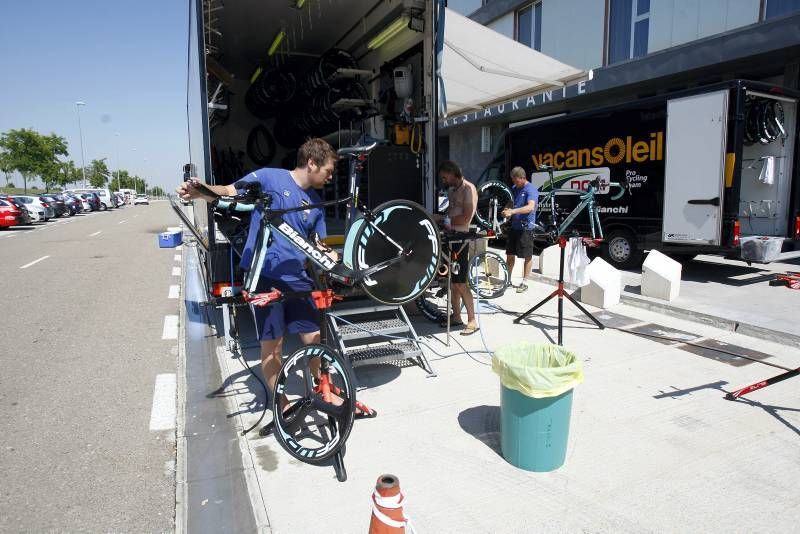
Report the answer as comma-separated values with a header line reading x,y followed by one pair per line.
x,y
560,292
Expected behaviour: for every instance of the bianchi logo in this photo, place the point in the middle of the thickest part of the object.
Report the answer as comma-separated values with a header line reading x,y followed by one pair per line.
x,y
318,256
621,210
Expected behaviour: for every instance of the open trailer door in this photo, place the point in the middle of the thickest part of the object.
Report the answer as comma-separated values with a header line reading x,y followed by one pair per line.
x,y
695,168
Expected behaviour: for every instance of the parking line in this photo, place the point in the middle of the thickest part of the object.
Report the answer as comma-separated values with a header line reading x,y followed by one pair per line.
x,y
177,257
122,221
179,247
34,262
162,414
94,234
174,291
170,327
176,271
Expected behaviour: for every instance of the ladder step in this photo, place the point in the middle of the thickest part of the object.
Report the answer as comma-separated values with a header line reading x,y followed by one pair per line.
x,y
383,353
372,328
343,311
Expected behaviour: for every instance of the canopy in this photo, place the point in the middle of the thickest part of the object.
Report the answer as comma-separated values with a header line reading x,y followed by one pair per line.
x,y
481,66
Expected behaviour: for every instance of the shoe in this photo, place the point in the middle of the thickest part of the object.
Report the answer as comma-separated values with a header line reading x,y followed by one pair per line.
x,y
469,330
522,288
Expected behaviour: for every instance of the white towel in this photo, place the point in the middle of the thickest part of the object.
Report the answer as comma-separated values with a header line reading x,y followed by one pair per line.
x,y
767,174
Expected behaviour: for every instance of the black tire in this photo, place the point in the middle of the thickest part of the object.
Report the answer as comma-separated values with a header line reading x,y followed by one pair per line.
x,y
260,146
332,424
620,249
488,286
103,207
410,226
488,192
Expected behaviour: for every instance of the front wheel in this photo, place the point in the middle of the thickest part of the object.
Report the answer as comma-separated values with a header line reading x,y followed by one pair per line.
x,y
621,250
103,207
314,403
395,223
493,197
488,275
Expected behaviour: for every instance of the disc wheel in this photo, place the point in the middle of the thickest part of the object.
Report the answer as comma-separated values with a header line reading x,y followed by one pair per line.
x,y
314,403
407,225
490,195
488,275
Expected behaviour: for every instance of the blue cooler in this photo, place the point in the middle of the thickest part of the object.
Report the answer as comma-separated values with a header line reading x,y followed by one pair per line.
x,y
170,239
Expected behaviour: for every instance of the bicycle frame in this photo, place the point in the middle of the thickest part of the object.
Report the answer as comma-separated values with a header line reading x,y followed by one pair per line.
x,y
272,219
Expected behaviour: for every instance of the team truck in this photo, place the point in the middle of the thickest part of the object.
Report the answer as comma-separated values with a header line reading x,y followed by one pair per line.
x,y
264,76
710,171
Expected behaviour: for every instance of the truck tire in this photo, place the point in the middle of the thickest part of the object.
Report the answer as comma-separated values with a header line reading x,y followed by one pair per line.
x,y
621,250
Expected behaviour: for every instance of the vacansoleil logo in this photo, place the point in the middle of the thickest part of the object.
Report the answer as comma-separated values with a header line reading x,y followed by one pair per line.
x,y
616,150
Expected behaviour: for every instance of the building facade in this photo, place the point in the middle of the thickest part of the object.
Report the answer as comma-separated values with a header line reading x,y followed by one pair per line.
x,y
629,49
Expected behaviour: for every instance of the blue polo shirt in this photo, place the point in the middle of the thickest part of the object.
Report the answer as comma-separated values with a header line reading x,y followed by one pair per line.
x,y
522,195
283,261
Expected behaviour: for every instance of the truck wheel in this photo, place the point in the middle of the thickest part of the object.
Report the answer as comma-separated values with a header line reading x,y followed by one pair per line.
x,y
620,250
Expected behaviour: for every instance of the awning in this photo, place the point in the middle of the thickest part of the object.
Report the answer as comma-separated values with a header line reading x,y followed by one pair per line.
x,y
481,66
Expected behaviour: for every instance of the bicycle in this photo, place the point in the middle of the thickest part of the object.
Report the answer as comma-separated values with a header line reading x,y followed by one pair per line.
x,y
487,275
550,226
391,253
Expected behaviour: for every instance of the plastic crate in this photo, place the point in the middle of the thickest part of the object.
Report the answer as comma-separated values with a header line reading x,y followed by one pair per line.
x,y
170,239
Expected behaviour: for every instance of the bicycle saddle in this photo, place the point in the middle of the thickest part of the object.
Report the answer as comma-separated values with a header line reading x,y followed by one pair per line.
x,y
356,150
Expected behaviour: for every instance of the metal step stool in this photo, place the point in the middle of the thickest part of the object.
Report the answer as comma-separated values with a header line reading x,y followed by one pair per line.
x,y
358,330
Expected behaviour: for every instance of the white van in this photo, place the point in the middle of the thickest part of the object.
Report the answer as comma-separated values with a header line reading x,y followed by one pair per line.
x,y
104,194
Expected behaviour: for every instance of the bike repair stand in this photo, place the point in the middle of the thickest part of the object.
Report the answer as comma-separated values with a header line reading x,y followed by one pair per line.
x,y
560,292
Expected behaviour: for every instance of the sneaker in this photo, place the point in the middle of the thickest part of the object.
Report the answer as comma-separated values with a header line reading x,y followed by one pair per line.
x,y
522,288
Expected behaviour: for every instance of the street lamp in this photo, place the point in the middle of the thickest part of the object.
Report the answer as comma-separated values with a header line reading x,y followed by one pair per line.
x,y
78,105
119,165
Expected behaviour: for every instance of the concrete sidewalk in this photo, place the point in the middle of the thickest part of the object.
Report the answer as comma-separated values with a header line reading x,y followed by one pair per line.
x,y
727,294
653,447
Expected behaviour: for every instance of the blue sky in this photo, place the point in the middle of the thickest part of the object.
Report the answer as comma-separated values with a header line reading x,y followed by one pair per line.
x,y
125,59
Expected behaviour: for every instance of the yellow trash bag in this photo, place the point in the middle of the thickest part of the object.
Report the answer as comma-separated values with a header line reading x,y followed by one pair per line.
x,y
537,370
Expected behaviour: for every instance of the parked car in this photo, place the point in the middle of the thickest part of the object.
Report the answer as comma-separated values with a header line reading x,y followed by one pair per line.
x,y
33,212
104,195
31,201
141,199
10,214
58,205
73,203
95,202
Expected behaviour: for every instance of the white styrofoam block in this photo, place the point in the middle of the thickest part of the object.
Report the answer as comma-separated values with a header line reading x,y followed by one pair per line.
x,y
661,276
604,287
549,261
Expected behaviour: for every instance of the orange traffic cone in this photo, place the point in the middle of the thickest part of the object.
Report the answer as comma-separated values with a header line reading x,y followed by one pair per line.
x,y
387,508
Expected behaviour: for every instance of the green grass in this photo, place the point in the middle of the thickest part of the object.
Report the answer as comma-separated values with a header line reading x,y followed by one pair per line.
x,y
20,190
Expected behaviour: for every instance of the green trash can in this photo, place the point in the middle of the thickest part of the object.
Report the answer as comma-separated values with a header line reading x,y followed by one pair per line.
x,y
536,403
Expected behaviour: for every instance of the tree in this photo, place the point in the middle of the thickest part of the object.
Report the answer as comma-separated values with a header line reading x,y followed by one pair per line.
x,y
6,166
32,154
49,167
67,173
98,172
24,150
156,191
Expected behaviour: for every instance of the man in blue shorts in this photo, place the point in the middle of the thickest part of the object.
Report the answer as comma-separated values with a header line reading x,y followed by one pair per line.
x,y
519,241
284,268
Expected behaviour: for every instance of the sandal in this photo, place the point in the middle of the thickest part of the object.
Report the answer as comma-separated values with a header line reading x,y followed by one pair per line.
x,y
469,330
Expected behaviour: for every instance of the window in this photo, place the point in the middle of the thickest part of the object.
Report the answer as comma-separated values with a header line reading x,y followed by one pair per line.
x,y
486,139
777,8
529,26
628,29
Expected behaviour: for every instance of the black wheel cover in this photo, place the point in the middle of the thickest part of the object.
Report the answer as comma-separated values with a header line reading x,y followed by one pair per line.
x,y
411,227
487,192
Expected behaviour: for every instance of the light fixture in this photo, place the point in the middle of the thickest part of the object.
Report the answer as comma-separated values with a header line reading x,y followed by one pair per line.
x,y
388,32
299,4
276,42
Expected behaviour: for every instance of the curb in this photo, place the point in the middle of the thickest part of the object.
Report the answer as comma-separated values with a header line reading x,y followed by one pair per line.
x,y
722,323
181,500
